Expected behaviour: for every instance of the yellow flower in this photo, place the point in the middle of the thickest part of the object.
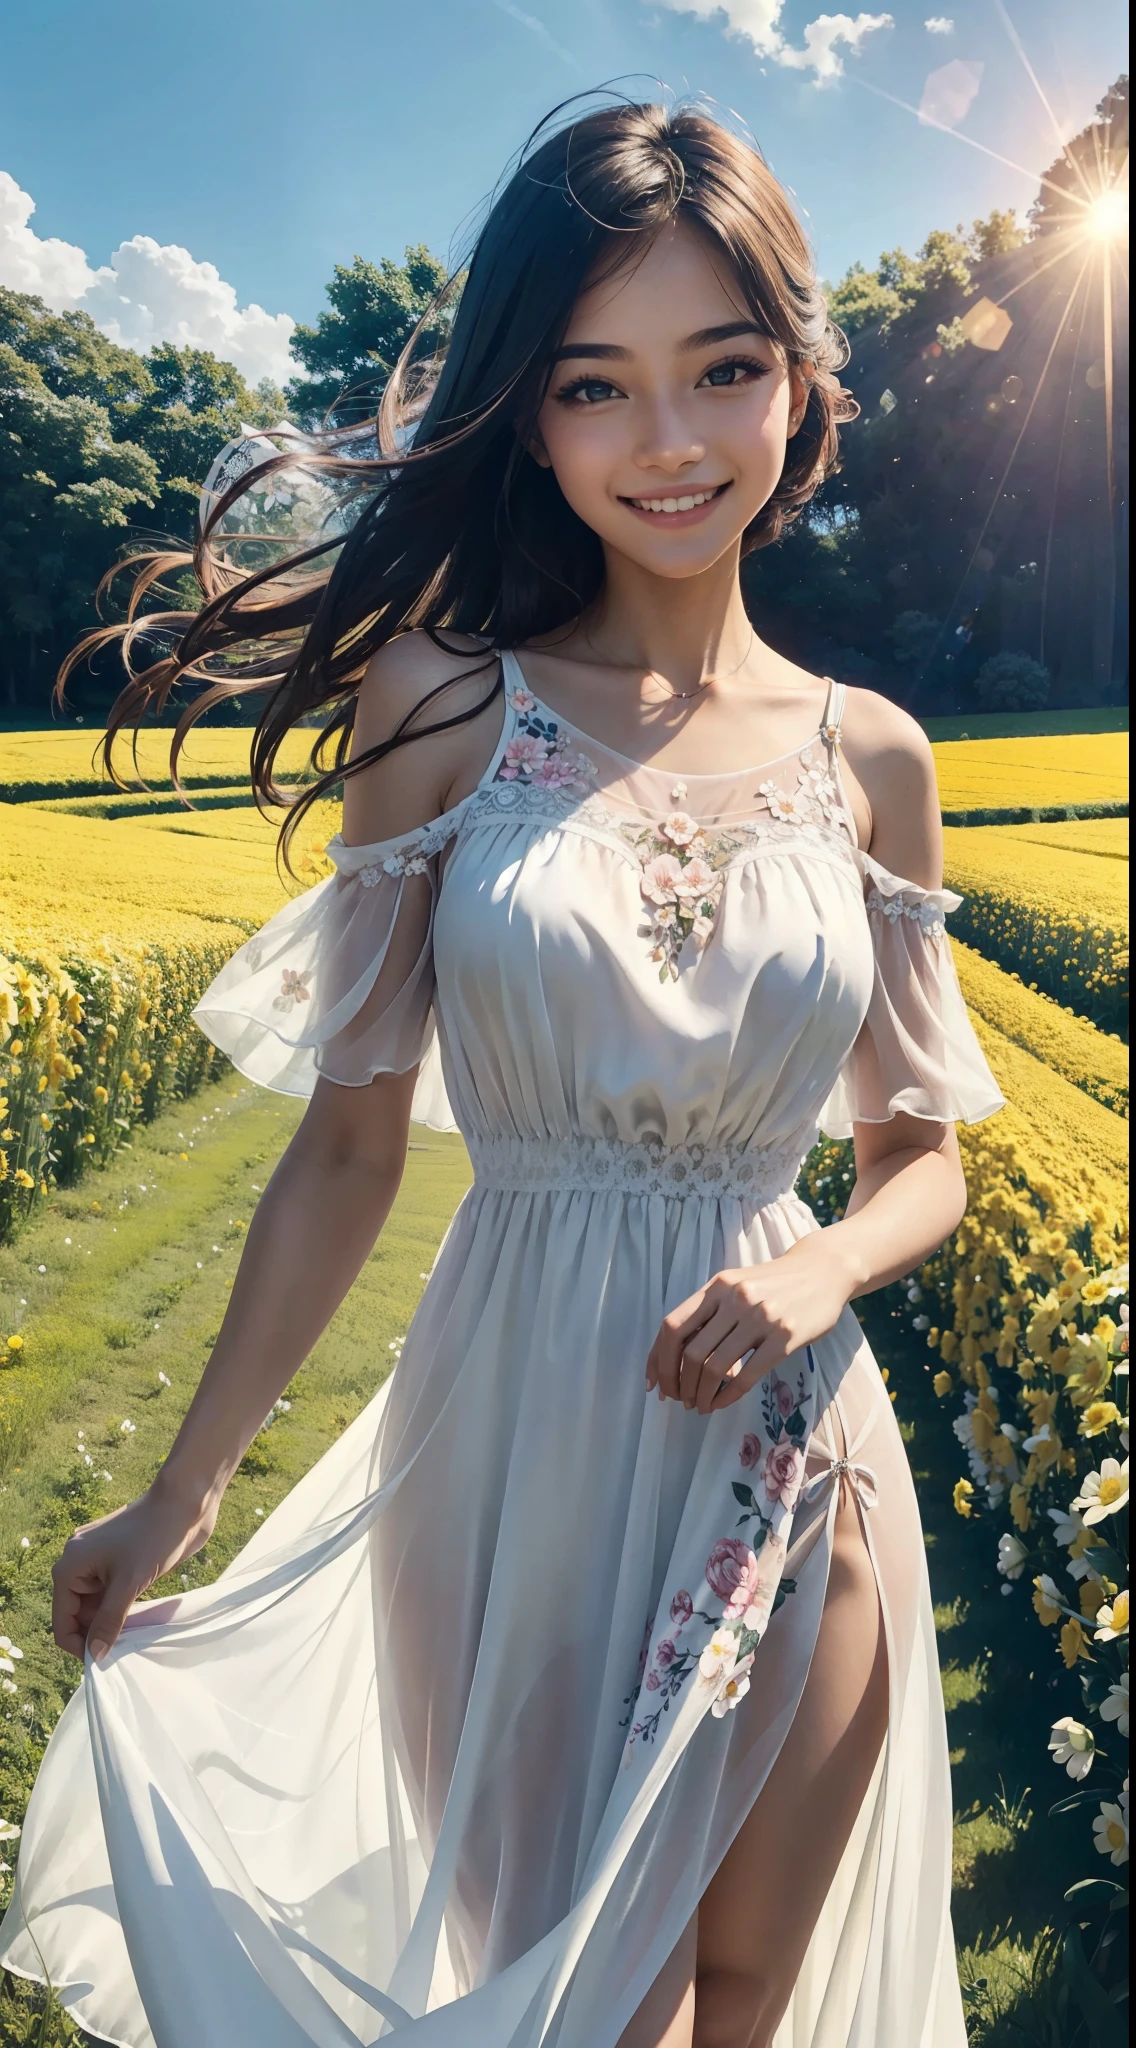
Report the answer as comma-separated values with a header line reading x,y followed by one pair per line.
x,y
942,1383
1099,1415
1113,1621
1095,1290
100,1096
983,1429
23,1179
1046,1601
948,1349
1043,1322
1042,1405
963,1495
1090,1598
15,1343
1072,1641
1020,1514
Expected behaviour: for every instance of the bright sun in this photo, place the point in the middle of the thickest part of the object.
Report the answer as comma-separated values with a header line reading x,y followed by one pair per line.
x,y
1108,216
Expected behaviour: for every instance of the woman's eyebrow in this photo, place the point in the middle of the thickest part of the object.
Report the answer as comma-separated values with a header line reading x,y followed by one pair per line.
x,y
708,337
605,350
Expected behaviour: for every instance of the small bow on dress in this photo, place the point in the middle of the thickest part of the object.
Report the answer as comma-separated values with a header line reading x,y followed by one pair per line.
x,y
860,1477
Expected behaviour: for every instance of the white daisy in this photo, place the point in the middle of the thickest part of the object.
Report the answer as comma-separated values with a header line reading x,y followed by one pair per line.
x,y
1115,1706
1072,1744
1104,1492
1110,1828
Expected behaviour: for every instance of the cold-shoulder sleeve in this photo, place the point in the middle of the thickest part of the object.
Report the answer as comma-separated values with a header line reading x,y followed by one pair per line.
x,y
916,1053
340,983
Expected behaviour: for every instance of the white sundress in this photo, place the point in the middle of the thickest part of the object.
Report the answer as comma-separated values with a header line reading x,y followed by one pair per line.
x,y
447,1753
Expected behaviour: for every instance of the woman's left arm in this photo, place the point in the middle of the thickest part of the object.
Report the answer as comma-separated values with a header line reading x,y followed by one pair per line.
x,y
910,1192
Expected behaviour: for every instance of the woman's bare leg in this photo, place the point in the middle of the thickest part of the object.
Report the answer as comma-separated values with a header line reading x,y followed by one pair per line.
x,y
666,2017
756,1917
729,1980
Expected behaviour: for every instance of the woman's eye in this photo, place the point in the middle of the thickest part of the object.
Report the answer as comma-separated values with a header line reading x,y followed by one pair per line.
x,y
587,391
739,370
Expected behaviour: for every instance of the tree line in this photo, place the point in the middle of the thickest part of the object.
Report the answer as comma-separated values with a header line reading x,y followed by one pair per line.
x,y
970,549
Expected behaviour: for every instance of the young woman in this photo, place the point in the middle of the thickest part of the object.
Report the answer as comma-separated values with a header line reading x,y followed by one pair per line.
x,y
585,1693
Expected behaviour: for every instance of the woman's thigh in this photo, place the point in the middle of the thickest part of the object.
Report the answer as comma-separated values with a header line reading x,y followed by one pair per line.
x,y
731,1976
757,1915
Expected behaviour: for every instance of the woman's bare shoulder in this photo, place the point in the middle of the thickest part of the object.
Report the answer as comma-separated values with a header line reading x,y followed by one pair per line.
x,y
403,690
403,674
891,758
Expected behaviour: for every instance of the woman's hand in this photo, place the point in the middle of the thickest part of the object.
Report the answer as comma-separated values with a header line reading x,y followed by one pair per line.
x,y
755,1314
107,1564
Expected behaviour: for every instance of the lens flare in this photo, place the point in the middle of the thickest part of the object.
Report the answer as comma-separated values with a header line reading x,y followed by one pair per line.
x,y
1107,217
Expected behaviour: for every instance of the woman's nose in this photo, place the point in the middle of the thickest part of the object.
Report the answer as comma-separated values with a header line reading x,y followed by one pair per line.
x,y
666,441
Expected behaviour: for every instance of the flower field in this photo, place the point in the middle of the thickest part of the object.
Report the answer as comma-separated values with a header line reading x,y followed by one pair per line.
x,y
1065,1043
108,936
1078,770
38,765
1055,916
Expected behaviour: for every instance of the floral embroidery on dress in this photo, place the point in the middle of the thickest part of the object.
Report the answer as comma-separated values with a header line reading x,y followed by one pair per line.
x,y
414,858
680,881
293,989
744,1574
922,910
540,752
815,800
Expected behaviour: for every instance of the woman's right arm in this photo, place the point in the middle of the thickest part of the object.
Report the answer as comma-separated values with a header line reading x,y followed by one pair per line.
x,y
314,1225
313,1229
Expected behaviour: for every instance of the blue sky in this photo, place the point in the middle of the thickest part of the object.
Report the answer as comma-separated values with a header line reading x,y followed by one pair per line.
x,y
270,138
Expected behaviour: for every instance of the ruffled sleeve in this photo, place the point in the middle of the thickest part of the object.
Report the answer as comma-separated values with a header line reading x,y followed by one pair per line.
x,y
916,1053
340,983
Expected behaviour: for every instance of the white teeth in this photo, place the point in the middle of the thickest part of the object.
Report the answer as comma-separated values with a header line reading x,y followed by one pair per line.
x,y
685,504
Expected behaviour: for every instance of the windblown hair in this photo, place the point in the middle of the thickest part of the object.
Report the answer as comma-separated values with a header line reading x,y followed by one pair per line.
x,y
454,526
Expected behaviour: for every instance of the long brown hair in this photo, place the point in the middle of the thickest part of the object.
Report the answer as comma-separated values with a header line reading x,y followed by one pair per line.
x,y
445,521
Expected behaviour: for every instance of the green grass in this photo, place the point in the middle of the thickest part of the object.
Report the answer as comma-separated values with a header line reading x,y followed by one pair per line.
x,y
1013,725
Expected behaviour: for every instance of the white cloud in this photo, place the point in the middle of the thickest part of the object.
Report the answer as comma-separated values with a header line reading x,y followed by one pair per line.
x,y
148,292
939,25
758,22
950,93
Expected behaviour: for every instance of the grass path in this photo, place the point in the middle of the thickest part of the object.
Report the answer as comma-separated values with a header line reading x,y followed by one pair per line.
x,y
126,1277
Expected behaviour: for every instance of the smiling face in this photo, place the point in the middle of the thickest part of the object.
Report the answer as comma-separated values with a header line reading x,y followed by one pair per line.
x,y
668,411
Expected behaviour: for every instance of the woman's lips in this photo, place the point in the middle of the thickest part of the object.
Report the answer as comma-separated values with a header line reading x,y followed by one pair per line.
x,y
679,508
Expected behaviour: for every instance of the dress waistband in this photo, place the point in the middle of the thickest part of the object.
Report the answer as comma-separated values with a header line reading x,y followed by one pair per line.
x,y
755,1173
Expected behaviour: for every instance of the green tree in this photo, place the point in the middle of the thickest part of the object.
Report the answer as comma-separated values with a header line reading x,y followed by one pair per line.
x,y
68,492
195,403
1091,162
903,288
997,235
72,357
353,347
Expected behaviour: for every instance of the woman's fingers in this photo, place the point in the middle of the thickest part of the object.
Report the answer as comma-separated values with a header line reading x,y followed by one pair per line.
x,y
113,1608
665,1357
73,1588
707,1354
712,1348
762,1359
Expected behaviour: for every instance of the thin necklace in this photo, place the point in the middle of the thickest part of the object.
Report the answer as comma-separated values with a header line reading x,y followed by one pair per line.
x,y
706,680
